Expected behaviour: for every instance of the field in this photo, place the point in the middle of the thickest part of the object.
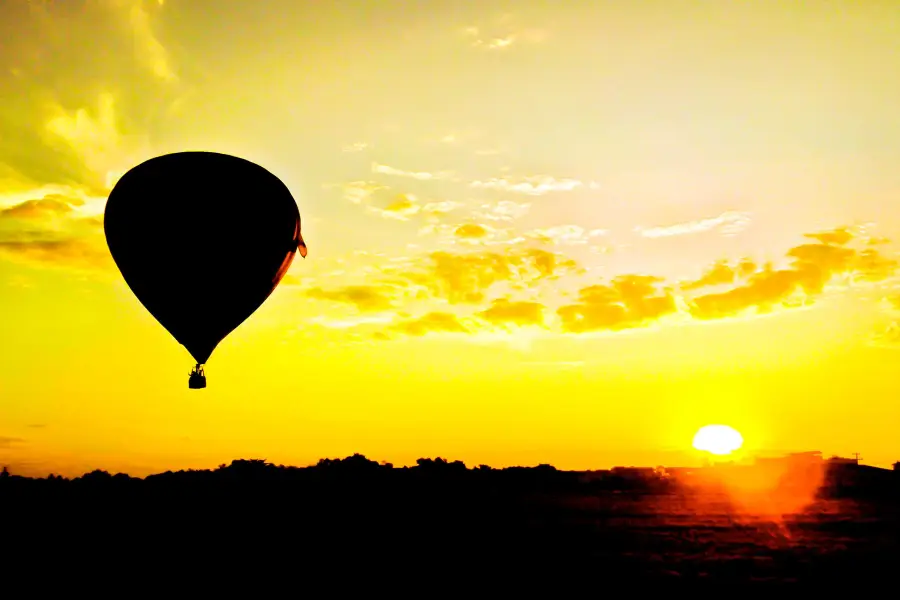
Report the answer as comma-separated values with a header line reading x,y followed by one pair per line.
x,y
515,527
706,536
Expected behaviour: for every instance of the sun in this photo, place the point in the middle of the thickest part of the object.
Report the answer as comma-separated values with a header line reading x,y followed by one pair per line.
x,y
718,439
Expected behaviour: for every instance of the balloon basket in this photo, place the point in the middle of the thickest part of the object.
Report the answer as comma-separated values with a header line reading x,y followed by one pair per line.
x,y
197,380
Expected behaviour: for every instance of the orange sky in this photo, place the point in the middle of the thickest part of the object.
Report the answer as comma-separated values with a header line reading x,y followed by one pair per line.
x,y
539,232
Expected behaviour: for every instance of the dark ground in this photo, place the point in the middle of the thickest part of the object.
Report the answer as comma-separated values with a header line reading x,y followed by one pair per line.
x,y
439,522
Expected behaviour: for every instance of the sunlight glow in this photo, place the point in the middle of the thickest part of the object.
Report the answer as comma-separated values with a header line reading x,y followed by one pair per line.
x,y
718,439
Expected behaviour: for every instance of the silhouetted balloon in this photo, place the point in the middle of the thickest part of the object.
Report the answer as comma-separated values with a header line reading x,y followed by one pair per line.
x,y
202,239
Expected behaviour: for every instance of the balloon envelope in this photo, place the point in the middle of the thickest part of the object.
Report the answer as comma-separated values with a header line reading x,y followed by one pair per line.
x,y
201,239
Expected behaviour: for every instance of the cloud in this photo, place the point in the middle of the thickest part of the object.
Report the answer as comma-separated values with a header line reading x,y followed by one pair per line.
x,y
148,49
471,231
870,265
728,223
98,138
503,312
489,43
8,442
839,236
565,234
420,175
435,228
628,301
92,133
721,273
353,322
889,336
463,278
495,43
77,118
491,284
470,234
51,229
813,267
440,207
366,298
536,185
406,206
355,147
41,209
69,252
360,192
549,264
502,37
401,209
442,322
60,54
505,210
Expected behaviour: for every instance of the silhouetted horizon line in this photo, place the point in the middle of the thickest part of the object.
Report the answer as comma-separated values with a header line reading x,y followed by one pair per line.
x,y
360,458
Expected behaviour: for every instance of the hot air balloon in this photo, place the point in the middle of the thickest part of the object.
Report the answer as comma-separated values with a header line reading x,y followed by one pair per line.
x,y
202,239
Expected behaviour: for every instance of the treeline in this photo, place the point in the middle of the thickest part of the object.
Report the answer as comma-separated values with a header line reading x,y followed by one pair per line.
x,y
359,470
351,511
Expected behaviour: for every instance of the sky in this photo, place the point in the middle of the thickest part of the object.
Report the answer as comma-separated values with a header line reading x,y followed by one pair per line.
x,y
559,232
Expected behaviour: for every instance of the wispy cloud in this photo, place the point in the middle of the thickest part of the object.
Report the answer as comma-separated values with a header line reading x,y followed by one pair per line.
x,y
495,43
888,336
505,210
722,273
93,134
354,321
461,278
535,185
53,229
149,50
366,298
728,223
401,209
420,175
359,192
480,38
433,322
441,207
355,147
9,442
566,234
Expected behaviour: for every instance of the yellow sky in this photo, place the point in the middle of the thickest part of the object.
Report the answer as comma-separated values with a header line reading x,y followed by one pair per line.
x,y
539,232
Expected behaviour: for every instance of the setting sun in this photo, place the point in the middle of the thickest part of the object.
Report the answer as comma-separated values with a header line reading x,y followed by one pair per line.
x,y
718,439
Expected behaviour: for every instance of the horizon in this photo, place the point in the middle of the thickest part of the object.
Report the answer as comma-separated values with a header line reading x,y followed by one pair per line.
x,y
700,463
562,234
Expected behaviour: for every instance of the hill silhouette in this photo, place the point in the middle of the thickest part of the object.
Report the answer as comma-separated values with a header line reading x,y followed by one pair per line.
x,y
443,519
